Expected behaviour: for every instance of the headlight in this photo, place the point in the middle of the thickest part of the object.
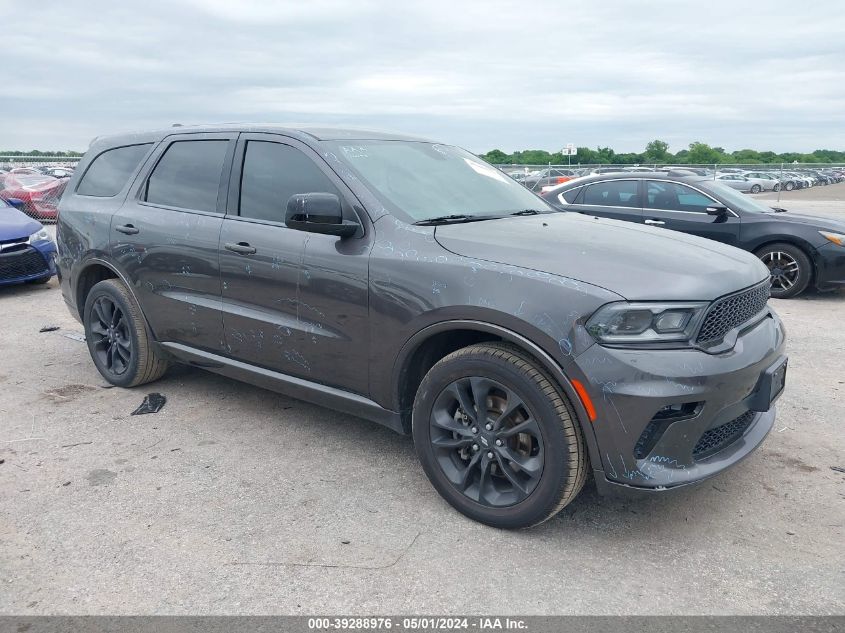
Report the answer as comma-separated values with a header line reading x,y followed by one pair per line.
x,y
626,323
836,238
39,236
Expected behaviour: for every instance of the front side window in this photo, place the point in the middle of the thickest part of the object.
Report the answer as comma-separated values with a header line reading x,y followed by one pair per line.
x,y
418,181
188,175
108,173
672,196
272,173
613,193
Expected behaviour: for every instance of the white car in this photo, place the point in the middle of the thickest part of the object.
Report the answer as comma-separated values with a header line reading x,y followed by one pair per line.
x,y
735,181
761,181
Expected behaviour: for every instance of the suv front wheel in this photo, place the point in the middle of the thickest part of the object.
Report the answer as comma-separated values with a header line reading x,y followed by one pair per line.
x,y
117,336
497,438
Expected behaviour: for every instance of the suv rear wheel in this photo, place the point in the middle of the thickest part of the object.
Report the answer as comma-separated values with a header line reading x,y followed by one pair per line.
x,y
497,438
117,336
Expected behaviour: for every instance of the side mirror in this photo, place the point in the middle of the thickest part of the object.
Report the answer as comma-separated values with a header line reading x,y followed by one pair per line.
x,y
717,210
15,202
318,213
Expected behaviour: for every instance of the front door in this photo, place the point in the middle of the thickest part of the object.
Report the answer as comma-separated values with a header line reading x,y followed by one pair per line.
x,y
679,207
293,302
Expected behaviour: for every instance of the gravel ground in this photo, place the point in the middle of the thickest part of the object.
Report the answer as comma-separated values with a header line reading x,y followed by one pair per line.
x,y
237,500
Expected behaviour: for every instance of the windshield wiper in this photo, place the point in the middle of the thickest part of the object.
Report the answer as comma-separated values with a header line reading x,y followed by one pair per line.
x,y
778,210
456,218
527,212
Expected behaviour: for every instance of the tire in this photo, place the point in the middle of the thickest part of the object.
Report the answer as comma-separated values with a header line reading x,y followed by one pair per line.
x,y
776,188
551,450
756,188
789,186
791,269
134,360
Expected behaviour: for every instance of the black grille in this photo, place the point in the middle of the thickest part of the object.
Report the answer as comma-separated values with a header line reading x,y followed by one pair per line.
x,y
725,314
722,436
22,264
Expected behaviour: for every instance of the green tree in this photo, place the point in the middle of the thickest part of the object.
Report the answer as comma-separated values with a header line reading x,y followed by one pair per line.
x,y
497,157
656,151
703,154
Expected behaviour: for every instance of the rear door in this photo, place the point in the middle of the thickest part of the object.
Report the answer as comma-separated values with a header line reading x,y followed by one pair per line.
x,y
166,237
620,199
679,207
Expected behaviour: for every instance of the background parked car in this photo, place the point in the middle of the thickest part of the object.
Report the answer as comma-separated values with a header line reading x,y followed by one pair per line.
x,y
548,177
798,249
736,181
27,252
39,194
762,182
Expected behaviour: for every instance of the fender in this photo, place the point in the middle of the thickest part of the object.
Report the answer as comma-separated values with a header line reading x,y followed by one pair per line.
x,y
119,274
546,360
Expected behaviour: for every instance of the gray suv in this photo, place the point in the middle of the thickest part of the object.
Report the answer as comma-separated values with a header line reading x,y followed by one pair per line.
x,y
413,284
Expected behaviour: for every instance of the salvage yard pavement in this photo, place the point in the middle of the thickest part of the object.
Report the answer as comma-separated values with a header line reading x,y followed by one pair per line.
x,y
231,499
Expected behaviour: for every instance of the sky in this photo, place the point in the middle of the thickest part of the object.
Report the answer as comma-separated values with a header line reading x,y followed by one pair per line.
x,y
482,75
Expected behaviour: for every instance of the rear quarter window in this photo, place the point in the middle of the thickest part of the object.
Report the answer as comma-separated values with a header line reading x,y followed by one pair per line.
x,y
108,172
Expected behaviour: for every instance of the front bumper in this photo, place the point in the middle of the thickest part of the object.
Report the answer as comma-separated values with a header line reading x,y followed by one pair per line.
x,y
716,393
830,266
28,263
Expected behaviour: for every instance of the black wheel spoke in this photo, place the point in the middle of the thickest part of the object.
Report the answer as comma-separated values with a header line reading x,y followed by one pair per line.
x,y
480,390
512,477
452,442
466,476
461,394
531,466
513,404
526,426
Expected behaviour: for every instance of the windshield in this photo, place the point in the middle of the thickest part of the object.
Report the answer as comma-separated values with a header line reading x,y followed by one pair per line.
x,y
419,181
736,199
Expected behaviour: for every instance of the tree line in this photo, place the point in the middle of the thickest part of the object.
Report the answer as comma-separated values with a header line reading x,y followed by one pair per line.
x,y
36,153
657,152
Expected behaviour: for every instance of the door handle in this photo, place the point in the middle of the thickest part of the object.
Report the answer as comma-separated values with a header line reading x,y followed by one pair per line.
x,y
655,222
241,248
126,229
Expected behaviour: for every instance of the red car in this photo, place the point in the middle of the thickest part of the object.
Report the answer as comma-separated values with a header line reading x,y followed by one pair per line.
x,y
39,195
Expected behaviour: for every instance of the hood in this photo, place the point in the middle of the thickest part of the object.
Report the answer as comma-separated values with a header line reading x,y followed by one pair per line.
x,y
819,223
15,225
635,261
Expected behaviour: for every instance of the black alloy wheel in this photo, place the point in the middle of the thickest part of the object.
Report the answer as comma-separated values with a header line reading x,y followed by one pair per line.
x,y
486,441
111,342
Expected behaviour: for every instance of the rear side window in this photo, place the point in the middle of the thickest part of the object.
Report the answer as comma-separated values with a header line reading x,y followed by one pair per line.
x,y
570,195
613,193
273,173
108,173
188,175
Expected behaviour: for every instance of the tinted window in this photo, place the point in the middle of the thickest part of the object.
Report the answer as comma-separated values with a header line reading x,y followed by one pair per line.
x,y
571,194
272,174
676,197
188,175
614,193
109,172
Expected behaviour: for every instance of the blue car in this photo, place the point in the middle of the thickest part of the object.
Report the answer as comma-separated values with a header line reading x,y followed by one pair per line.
x,y
27,253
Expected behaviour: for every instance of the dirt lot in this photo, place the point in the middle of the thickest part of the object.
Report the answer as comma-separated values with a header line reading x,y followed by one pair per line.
x,y
237,500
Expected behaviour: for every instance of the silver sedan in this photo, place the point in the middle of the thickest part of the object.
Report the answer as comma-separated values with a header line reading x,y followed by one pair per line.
x,y
735,181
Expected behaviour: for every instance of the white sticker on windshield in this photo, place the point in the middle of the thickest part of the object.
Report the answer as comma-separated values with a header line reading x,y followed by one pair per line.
x,y
486,170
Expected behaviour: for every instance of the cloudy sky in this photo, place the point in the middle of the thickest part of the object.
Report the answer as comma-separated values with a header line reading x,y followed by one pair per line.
x,y
512,75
